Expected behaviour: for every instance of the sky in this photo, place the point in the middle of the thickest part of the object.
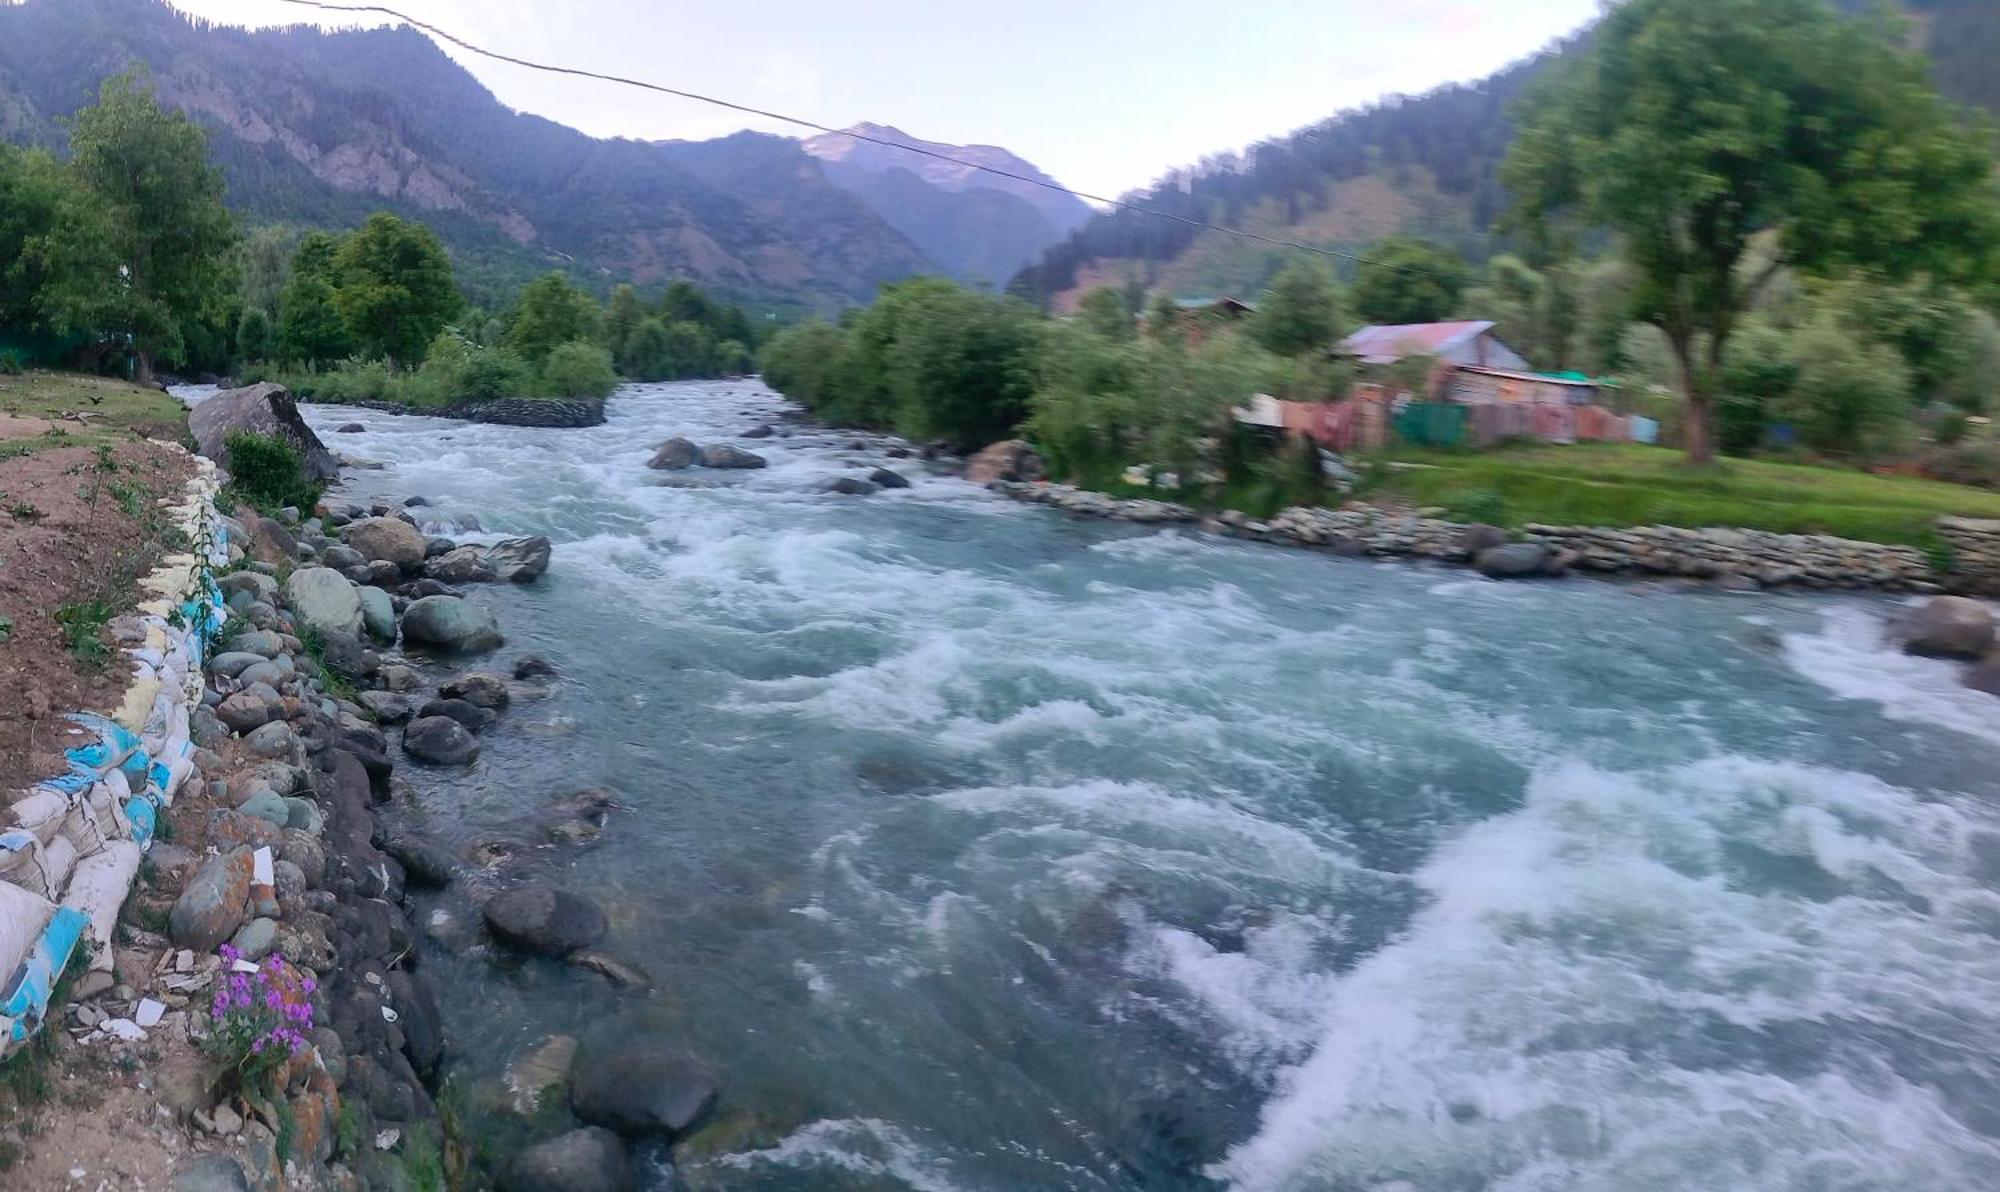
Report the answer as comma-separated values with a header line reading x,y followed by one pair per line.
x,y
1105,95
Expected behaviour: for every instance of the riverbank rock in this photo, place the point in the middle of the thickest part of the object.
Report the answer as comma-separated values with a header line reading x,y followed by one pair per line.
x,y
1516,560
519,560
722,455
1984,676
378,613
640,1087
264,409
459,565
545,920
452,624
884,478
211,908
213,1172
440,741
323,601
852,486
481,689
675,455
1013,459
474,718
1947,627
592,1159
390,539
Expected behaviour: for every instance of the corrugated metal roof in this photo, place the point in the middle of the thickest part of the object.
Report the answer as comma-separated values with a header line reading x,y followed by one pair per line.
x,y
1206,303
1386,344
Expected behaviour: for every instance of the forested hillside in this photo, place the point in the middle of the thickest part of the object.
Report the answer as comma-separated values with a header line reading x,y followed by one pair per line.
x,y
322,128
1425,165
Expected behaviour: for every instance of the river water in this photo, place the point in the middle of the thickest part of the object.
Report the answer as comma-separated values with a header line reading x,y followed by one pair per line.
x,y
978,848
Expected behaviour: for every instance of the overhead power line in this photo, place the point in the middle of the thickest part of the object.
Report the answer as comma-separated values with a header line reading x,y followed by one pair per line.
x,y
578,72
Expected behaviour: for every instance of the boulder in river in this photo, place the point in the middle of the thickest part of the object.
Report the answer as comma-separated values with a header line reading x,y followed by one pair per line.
x,y
884,478
1012,459
853,486
641,1087
482,689
674,455
543,919
475,719
390,539
460,565
440,741
264,409
322,600
1984,676
1947,627
758,432
519,560
1516,560
722,455
452,624
591,1159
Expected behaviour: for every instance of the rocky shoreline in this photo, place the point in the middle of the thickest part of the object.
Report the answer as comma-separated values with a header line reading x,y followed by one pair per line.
x,y
1726,558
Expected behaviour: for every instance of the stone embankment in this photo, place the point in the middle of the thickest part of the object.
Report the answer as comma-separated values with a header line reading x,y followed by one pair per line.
x,y
566,413
1974,564
1086,503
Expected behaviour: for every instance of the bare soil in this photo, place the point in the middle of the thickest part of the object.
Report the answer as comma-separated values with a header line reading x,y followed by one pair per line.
x,y
79,526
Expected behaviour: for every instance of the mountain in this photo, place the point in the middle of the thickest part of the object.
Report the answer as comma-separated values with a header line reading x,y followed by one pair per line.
x,y
1426,165
978,227
323,127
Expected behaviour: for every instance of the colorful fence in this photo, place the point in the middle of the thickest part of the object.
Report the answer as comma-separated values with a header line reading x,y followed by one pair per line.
x,y
70,846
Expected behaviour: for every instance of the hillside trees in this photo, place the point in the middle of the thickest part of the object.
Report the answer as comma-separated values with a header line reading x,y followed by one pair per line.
x,y
161,222
1698,130
551,312
1408,280
1300,313
311,329
393,287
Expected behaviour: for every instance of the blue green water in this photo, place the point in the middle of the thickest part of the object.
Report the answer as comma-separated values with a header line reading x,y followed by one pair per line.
x,y
977,848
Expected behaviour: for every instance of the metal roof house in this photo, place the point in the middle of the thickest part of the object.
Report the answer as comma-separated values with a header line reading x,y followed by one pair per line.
x,y
1466,344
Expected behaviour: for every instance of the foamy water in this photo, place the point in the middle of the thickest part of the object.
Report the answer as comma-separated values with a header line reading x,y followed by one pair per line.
x,y
978,848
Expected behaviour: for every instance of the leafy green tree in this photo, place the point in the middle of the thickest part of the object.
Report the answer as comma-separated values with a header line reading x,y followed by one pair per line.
x,y
51,243
1851,396
1104,312
254,338
1408,280
802,362
550,312
685,303
164,222
621,323
311,329
1536,310
1759,375
579,368
1697,129
393,286
265,262
1300,314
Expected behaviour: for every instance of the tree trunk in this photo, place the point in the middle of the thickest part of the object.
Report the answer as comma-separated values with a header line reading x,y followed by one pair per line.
x,y
143,373
1697,404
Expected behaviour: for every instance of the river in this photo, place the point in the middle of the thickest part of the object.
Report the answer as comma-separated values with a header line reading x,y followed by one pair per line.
x,y
978,848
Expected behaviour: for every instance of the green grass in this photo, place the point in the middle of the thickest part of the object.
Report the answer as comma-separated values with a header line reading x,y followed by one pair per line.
x,y
1604,484
114,411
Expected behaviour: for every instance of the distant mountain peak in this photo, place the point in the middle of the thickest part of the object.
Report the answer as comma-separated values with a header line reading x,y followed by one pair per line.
x,y
1063,211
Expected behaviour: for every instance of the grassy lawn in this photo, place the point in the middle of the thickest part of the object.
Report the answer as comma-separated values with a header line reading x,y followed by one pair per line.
x,y
34,406
1607,484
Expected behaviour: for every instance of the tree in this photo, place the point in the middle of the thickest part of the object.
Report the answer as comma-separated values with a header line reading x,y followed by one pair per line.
x,y
1698,129
311,329
1851,396
253,335
50,243
393,286
549,312
1300,314
1536,310
163,221
1104,312
1408,280
621,324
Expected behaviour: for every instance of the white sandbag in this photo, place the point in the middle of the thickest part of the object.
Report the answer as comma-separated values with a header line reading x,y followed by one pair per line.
x,y
41,813
36,867
22,917
98,889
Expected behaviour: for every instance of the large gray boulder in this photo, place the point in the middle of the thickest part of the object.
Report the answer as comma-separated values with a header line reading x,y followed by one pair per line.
x,y
542,919
640,1087
452,624
674,455
1947,627
592,1159
322,600
1013,459
378,613
439,741
390,539
519,560
264,409
1985,676
460,565
211,907
1516,560
722,455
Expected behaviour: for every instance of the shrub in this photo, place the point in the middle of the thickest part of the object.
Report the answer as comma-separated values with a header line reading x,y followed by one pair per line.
x,y
579,369
12,362
491,373
267,472
1478,505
